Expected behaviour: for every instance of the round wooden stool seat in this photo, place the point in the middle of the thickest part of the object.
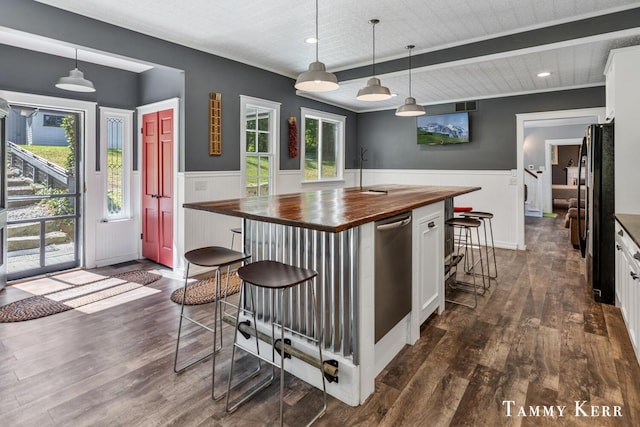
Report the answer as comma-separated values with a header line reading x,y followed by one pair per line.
x,y
214,256
463,222
274,275
477,214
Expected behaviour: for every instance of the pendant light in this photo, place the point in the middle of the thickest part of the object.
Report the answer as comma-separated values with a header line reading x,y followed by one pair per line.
x,y
374,91
317,78
410,108
75,81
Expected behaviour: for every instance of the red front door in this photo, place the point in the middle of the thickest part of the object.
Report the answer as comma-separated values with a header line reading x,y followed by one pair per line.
x,y
157,187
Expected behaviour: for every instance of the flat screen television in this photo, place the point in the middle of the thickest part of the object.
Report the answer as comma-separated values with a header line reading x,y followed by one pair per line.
x,y
452,128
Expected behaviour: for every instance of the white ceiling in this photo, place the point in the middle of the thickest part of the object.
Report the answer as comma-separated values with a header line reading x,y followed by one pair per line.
x,y
271,34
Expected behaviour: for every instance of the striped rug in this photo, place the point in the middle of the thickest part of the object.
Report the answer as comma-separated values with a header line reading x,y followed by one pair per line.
x,y
83,290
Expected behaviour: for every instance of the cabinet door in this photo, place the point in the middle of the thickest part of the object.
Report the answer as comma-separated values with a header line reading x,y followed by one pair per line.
x,y
633,304
622,267
430,265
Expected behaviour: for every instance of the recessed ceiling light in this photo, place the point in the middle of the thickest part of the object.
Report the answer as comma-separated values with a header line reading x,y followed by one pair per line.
x,y
394,94
311,40
544,74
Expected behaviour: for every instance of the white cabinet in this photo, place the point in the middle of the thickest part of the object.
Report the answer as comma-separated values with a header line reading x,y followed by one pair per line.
x,y
622,95
628,284
428,261
610,92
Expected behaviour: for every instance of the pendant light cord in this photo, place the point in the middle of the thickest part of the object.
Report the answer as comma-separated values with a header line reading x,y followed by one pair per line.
x,y
410,71
76,58
317,39
374,48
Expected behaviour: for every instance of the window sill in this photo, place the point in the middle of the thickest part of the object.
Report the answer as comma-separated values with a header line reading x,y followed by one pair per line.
x,y
323,181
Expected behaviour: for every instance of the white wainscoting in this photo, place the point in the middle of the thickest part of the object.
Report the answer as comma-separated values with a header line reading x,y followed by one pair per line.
x,y
113,242
498,196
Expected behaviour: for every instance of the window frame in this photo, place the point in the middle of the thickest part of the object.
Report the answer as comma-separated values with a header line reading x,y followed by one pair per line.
x,y
274,140
127,161
340,149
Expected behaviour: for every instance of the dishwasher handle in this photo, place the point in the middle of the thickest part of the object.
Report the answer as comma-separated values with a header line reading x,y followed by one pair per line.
x,y
394,225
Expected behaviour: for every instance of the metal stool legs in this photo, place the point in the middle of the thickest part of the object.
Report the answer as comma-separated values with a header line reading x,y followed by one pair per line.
x,y
219,315
235,231
484,217
465,225
212,257
185,317
279,293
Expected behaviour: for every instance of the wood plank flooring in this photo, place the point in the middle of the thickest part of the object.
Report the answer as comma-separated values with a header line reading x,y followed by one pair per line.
x,y
536,338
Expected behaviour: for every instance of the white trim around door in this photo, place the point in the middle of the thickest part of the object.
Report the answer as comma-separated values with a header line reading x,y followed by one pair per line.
x,y
520,120
178,199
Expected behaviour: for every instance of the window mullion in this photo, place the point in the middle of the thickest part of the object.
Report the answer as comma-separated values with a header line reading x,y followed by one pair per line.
x,y
319,149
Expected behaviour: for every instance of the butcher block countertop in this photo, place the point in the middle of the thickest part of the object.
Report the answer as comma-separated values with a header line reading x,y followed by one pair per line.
x,y
333,210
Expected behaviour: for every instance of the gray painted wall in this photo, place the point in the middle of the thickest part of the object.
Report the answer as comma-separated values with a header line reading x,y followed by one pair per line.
x,y
204,73
27,71
534,141
392,142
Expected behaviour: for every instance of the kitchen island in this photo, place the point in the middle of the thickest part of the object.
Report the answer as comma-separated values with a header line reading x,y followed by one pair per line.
x,y
335,232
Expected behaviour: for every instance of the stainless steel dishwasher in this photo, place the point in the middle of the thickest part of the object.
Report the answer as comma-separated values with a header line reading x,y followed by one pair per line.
x,y
392,272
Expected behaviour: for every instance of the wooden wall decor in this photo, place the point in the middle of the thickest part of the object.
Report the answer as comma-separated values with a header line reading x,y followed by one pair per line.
x,y
215,124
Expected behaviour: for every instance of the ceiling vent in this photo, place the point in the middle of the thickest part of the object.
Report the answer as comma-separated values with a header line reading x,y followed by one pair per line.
x,y
467,106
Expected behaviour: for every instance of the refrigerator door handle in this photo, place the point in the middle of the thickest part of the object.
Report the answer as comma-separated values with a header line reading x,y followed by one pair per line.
x,y
582,235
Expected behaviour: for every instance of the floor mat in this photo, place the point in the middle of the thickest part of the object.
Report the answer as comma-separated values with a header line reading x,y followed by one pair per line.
x,y
76,289
203,291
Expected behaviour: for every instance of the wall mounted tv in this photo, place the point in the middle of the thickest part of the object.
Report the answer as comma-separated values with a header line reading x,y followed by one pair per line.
x,y
443,129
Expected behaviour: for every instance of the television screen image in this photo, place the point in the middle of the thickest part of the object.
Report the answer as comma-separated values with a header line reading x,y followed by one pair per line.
x,y
442,129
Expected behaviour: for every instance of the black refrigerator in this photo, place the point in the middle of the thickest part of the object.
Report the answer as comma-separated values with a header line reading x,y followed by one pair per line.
x,y
597,240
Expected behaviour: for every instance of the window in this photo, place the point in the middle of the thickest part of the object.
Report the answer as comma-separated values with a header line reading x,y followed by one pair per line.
x,y
115,143
322,156
259,143
51,120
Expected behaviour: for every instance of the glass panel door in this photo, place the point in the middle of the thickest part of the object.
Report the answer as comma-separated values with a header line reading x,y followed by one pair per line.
x,y
43,189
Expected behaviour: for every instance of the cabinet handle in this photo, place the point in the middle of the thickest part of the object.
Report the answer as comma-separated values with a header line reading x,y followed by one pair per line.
x,y
618,247
633,275
620,233
637,255
433,224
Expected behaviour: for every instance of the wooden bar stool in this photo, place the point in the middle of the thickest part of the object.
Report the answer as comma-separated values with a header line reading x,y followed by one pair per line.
x,y
276,277
214,257
465,226
484,217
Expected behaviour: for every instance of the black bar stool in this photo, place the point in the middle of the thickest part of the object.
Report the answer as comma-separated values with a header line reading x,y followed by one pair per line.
x,y
277,277
484,217
464,226
215,257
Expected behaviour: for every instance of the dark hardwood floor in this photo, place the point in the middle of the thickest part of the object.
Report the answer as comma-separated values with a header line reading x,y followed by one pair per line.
x,y
536,339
